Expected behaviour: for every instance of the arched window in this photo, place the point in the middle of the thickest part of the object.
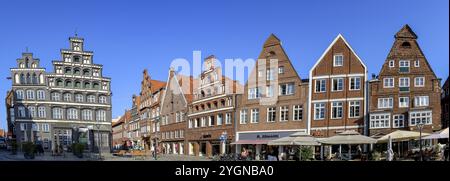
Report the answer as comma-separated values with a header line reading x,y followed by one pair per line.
x,y
406,45
91,98
68,84
76,59
72,114
68,70
79,98
55,96
76,71
86,72
41,78
77,84
86,115
96,85
21,65
57,113
87,85
17,78
34,65
22,79
101,115
35,79
19,94
67,97
59,83
41,95
102,100
28,78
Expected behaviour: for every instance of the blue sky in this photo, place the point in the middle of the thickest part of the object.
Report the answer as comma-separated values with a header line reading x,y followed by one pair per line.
x,y
128,36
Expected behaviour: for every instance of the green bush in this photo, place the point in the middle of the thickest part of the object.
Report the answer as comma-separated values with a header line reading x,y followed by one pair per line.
x,y
78,149
28,149
376,156
306,153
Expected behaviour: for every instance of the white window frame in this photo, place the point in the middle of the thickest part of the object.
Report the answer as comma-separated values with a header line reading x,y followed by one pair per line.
x,y
398,121
42,112
243,116
219,119
405,63
271,113
319,110
321,85
281,70
353,106
335,60
417,63
227,118
290,90
284,113
269,91
418,80
391,63
336,89
380,120
416,116
355,86
337,105
297,112
30,94
40,95
404,103
391,82
20,94
382,103
254,113
421,101
57,113
403,82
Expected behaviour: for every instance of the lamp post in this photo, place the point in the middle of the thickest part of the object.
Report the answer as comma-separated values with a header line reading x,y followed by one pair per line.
x,y
156,139
420,126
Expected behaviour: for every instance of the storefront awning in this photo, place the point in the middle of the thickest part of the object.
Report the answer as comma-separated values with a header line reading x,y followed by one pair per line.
x,y
251,142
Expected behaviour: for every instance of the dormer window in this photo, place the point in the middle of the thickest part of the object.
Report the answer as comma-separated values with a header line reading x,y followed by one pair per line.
x,y
22,65
391,63
34,65
86,60
76,46
338,60
67,58
406,45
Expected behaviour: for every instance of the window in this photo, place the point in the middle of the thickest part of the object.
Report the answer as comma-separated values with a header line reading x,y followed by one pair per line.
x,y
102,100
189,125
72,114
388,82
260,73
336,110
96,73
56,96
355,83
297,112
380,120
281,70
41,95
287,89
203,123
244,116
403,82
404,66
31,112
21,110
417,117
417,63
46,128
254,93
19,94
67,97
385,103
86,115
211,120
228,118
41,112
321,85
269,91
391,63
23,126
219,119
337,84
30,94
255,116
91,98
338,60
270,74
78,97
421,101
419,82
354,109
319,111
284,113
101,115
403,102
398,121
271,114
57,113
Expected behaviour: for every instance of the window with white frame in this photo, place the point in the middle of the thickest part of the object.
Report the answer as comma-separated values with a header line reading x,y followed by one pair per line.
x,y
281,70
297,112
31,112
72,114
260,73
286,89
91,98
21,112
403,102
385,103
41,112
338,60
101,115
23,126
319,111
196,123
254,93
419,82
46,128
19,94
380,120
203,122
336,110
421,101
271,114
269,91
219,119
355,83
417,63
67,97
284,113
56,96
321,85
398,121
244,116
270,74
337,84
210,120
391,63
255,116
102,100
57,113
87,115
35,126
404,63
78,97
176,117
41,95
403,82
417,117
388,82
354,109
189,125
228,118
30,94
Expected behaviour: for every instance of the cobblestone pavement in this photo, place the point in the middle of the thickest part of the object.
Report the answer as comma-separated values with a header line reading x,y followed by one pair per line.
x,y
7,156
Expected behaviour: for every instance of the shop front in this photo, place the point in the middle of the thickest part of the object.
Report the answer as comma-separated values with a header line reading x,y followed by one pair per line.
x,y
255,144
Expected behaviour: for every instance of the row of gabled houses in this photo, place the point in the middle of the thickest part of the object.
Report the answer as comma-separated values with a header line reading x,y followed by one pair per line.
x,y
212,114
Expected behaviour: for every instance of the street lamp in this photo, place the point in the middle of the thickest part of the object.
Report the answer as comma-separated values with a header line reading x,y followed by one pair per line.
x,y
155,148
420,126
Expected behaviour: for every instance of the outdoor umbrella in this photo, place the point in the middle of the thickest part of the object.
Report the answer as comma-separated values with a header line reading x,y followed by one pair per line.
x,y
350,137
440,135
401,135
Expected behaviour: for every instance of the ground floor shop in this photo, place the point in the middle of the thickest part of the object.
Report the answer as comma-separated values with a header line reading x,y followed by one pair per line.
x,y
173,147
209,148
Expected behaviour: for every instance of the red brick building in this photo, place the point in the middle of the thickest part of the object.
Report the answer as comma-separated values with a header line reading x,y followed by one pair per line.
x,y
445,103
338,91
406,91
